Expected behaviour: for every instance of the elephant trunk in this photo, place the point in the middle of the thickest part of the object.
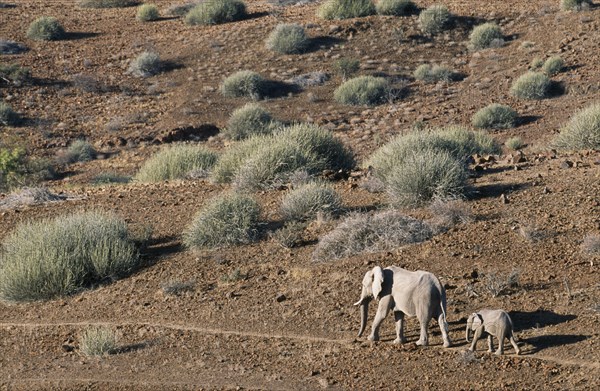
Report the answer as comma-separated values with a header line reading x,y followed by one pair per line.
x,y
468,333
364,313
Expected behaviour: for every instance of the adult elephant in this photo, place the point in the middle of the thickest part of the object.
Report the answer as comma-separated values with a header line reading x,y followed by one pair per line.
x,y
407,293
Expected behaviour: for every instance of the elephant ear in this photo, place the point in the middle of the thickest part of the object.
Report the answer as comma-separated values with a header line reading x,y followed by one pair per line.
x,y
377,281
477,320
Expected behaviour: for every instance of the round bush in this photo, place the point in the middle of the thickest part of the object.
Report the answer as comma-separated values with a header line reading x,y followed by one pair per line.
x,y
536,64
216,12
433,74
80,151
249,120
582,131
346,67
395,7
147,13
434,19
485,35
426,175
107,3
45,28
177,162
287,38
245,84
55,257
514,143
232,219
8,117
573,5
362,90
531,85
553,65
145,65
306,201
495,116
344,9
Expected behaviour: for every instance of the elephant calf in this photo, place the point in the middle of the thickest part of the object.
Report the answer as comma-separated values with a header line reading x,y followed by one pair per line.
x,y
495,323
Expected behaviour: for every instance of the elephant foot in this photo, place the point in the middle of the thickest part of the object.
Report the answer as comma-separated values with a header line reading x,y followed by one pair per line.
x,y
517,352
373,338
422,342
490,351
498,353
447,344
399,340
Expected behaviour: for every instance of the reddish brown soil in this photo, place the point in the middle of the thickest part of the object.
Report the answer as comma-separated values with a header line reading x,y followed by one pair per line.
x,y
236,335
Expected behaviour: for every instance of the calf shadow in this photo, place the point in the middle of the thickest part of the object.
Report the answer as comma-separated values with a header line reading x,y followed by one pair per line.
x,y
542,342
536,319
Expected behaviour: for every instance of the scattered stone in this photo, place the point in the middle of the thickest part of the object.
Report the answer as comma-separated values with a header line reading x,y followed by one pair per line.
x,y
309,79
281,297
566,164
202,132
504,199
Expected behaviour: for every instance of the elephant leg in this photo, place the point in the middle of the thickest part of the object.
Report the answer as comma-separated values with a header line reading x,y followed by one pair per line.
x,y
399,316
382,311
514,344
500,350
423,339
444,328
490,343
476,336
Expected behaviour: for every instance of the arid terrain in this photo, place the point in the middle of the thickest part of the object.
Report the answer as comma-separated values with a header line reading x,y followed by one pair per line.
x,y
262,316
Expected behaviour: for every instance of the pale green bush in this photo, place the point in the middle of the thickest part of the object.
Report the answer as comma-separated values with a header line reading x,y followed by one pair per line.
x,y
531,85
495,116
107,3
145,65
485,36
245,84
395,7
433,74
514,143
216,12
45,28
177,162
249,120
363,90
553,65
147,13
306,201
344,9
574,5
97,341
288,38
582,131
434,19
8,116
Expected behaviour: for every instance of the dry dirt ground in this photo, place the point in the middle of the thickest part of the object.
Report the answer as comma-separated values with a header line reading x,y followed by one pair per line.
x,y
243,334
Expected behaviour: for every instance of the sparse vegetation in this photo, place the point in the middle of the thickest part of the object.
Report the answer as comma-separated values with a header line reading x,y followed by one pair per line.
x,y
363,90
14,73
447,213
536,64
531,85
228,220
288,38
591,245
249,120
177,287
106,178
496,283
395,7
346,67
553,65
55,257
107,3
367,233
495,116
245,84
97,341
304,202
532,233
8,117
434,19
514,143
582,131
45,28
216,12
485,36
176,162
145,65
17,169
344,9
574,5
290,235
433,73
147,13
78,151
30,196
182,9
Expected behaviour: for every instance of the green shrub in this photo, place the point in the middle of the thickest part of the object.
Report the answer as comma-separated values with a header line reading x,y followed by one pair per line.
x,y
107,3
17,169
553,65
383,231
183,8
54,257
514,143
145,65
459,142
434,19
433,74
249,120
147,13
45,28
80,151
495,116
97,341
245,84
14,73
265,160
574,5
290,235
426,175
346,67
395,7
582,131
485,36
8,116
363,90
288,38
306,201
345,9
227,220
176,162
106,178
216,12
531,85
536,63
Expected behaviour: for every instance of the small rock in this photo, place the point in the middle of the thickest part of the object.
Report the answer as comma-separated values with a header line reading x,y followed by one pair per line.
x,y
280,298
566,164
504,199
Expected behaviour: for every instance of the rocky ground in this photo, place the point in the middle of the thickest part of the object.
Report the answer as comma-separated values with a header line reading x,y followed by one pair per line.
x,y
286,321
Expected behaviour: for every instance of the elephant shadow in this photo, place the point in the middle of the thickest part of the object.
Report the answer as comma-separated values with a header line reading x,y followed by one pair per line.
x,y
523,320
542,342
